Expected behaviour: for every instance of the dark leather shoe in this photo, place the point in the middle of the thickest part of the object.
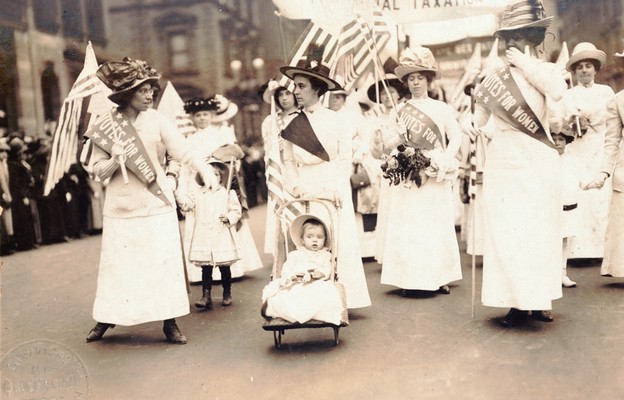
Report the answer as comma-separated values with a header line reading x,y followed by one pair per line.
x,y
227,300
444,289
542,315
172,332
514,317
98,331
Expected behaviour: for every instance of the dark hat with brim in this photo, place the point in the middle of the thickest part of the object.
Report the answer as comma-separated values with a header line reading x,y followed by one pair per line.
x,y
390,80
223,108
586,51
313,69
124,76
523,14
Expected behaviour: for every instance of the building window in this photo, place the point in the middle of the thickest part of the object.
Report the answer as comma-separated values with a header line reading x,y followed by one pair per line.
x,y
46,16
71,18
179,51
50,92
95,20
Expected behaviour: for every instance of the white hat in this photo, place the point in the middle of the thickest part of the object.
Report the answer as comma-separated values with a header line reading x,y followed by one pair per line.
x,y
586,51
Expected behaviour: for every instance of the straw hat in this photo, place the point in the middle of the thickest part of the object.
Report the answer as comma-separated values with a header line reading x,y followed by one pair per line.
x,y
523,14
224,108
296,229
124,76
586,51
418,59
312,66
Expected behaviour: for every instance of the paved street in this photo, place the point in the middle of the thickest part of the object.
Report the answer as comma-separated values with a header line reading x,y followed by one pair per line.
x,y
421,347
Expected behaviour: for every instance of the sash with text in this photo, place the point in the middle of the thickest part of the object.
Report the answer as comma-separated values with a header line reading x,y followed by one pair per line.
x,y
422,132
500,93
113,126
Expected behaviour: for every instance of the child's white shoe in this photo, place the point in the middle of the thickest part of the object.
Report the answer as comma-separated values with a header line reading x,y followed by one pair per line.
x,y
567,282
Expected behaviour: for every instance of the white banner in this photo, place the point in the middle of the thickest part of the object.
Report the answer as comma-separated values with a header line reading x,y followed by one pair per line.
x,y
399,11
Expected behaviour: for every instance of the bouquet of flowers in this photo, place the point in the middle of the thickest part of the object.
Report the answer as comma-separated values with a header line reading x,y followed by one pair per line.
x,y
405,164
583,123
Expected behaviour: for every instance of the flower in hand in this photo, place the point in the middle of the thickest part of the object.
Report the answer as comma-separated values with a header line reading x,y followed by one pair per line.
x,y
405,164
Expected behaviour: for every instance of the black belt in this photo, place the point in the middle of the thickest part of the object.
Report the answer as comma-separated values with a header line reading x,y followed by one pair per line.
x,y
570,207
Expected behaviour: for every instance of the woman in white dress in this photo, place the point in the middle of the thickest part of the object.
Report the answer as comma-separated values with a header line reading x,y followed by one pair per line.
x,y
421,250
384,125
324,168
140,274
587,101
210,116
613,167
522,174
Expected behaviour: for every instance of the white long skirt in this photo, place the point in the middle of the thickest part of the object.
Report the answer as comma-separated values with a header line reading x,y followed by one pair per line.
x,y
421,250
141,272
613,262
523,223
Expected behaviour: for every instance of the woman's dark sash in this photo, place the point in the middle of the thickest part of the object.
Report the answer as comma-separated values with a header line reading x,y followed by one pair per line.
x,y
113,126
300,132
422,132
500,93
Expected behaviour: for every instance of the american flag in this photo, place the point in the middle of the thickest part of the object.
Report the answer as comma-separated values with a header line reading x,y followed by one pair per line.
x,y
359,45
274,172
312,35
66,137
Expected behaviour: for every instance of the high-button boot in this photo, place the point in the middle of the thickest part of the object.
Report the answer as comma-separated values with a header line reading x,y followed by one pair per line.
x,y
98,331
172,332
206,300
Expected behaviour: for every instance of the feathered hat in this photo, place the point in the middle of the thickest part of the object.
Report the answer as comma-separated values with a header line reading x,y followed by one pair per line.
x,y
224,108
312,66
123,76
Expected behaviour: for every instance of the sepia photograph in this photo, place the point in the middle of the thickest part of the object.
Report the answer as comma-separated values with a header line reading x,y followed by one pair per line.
x,y
334,199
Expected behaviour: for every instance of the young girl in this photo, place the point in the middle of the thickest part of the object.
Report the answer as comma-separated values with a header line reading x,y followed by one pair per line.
x,y
571,191
213,243
304,290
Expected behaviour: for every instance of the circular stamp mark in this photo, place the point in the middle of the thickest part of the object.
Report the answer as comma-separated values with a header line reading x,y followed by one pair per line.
x,y
43,369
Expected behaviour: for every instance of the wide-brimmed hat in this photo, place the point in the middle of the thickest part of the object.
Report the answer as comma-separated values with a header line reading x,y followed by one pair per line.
x,y
213,162
296,229
418,59
586,51
523,14
224,108
312,66
123,76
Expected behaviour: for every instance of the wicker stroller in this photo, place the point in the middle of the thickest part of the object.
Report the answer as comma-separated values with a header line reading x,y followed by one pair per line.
x,y
284,244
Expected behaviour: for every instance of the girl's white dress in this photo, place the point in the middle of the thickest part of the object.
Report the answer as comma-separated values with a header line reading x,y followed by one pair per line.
x,y
589,151
522,205
571,194
206,141
421,250
301,302
213,242
316,176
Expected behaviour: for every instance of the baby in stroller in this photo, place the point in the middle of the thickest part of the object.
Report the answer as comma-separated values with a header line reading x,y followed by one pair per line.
x,y
305,290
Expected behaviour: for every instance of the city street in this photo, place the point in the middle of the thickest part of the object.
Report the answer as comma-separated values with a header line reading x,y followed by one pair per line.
x,y
425,346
